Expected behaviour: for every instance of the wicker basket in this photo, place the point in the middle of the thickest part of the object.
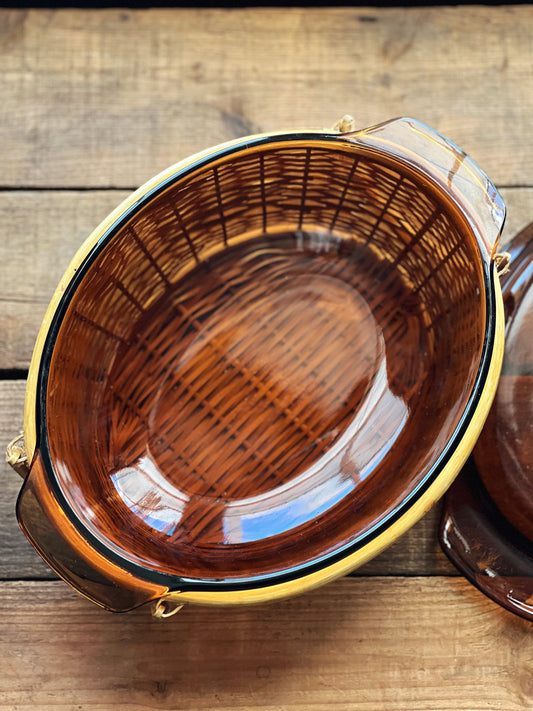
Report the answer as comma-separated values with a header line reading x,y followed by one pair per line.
x,y
264,367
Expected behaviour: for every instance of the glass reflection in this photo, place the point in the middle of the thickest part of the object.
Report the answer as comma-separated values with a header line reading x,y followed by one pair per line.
x,y
328,481
149,495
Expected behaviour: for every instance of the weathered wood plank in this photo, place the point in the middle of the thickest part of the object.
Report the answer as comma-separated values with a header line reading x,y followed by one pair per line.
x,y
417,553
42,230
108,98
17,557
358,645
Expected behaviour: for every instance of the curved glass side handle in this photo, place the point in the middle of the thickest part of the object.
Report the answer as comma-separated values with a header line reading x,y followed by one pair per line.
x,y
429,151
63,548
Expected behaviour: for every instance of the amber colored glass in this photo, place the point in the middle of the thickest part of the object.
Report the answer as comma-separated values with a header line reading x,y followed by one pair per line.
x,y
233,385
487,527
263,361
84,569
504,455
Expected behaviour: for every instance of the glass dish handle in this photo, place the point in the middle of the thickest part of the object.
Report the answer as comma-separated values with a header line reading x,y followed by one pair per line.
x,y
440,159
59,543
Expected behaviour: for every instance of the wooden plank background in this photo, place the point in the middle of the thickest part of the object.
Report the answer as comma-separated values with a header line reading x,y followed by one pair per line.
x,y
93,104
357,645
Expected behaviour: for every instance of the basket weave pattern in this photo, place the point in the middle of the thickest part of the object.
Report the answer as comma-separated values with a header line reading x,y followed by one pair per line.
x,y
226,338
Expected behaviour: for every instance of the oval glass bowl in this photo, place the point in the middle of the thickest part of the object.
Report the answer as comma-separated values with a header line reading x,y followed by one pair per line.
x,y
264,367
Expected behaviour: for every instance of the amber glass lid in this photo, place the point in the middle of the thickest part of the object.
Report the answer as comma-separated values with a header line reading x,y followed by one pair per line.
x,y
487,526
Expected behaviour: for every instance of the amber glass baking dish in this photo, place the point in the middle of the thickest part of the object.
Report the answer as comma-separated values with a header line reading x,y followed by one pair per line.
x,y
263,367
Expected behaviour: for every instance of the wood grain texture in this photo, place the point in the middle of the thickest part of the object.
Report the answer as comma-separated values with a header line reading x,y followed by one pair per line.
x,y
358,644
17,557
417,553
41,232
108,98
